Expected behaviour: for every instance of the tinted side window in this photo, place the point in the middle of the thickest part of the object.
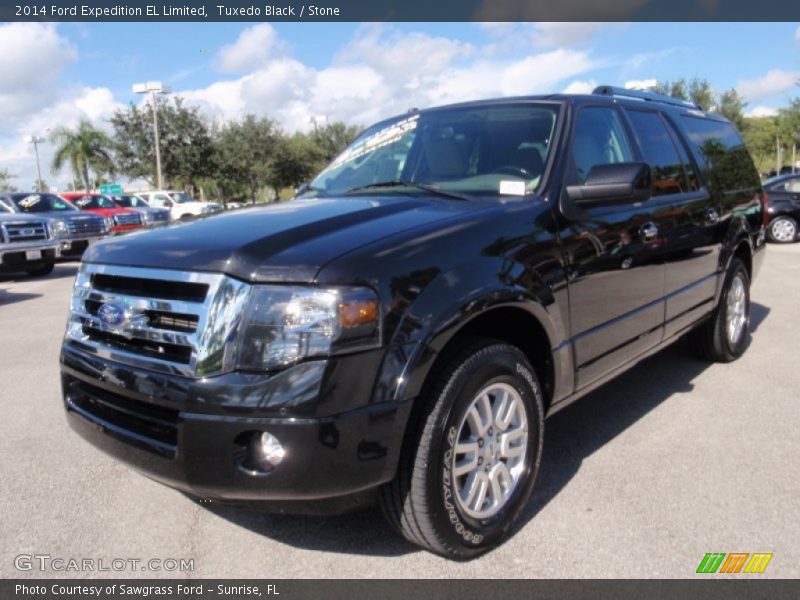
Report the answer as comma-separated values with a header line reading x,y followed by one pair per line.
x,y
599,139
659,152
721,153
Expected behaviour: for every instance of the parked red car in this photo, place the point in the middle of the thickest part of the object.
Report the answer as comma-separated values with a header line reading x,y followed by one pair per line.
x,y
120,219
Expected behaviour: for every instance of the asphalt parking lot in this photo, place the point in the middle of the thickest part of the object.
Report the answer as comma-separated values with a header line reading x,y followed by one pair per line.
x,y
674,459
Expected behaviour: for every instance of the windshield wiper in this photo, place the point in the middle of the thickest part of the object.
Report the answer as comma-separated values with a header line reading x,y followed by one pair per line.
x,y
402,183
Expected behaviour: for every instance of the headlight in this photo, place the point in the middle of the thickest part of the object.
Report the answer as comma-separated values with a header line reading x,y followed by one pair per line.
x,y
59,227
285,324
109,223
144,218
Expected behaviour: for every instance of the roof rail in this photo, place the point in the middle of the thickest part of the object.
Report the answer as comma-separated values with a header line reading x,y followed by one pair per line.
x,y
608,90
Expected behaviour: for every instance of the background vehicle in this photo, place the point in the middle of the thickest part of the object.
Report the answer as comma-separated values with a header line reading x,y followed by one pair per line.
x,y
73,228
152,216
26,243
784,208
121,220
180,204
399,332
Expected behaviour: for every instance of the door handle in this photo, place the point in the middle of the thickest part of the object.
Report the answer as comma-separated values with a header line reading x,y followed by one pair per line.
x,y
648,231
712,216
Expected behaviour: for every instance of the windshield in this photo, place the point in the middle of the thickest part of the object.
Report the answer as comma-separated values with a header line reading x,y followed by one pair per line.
x,y
477,150
94,202
180,197
40,203
130,201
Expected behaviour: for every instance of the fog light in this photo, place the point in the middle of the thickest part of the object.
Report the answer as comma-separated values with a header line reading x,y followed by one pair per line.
x,y
271,449
258,452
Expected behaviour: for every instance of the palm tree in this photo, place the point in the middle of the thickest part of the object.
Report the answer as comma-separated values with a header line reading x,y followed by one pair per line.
x,y
84,148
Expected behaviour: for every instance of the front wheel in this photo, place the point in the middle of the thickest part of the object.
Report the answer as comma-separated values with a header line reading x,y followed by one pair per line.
x,y
469,469
43,270
783,230
724,337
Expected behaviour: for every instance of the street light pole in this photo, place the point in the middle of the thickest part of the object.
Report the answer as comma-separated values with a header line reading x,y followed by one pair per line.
x,y
158,143
154,87
36,140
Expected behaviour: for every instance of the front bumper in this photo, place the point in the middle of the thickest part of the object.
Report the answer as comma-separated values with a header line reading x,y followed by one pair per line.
x,y
184,432
15,257
75,246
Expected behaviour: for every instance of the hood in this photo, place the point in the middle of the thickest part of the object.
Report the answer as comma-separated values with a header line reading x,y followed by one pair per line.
x,y
289,241
21,218
108,212
71,215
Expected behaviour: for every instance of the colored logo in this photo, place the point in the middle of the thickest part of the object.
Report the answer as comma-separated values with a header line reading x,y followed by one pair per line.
x,y
112,314
28,232
735,562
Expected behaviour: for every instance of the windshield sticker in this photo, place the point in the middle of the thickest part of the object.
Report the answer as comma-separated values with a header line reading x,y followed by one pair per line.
x,y
512,187
30,201
385,136
83,201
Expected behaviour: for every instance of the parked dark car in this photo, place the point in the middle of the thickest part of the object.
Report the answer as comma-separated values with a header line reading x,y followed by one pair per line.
x,y
74,229
400,331
784,207
153,217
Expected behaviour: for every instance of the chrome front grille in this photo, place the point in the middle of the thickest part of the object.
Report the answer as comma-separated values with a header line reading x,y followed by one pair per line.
x,y
169,321
86,226
24,231
128,219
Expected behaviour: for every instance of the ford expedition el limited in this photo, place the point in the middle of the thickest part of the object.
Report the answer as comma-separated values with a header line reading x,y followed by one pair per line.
x,y
399,331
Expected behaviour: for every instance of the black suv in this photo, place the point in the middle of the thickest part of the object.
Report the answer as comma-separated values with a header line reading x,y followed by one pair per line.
x,y
401,329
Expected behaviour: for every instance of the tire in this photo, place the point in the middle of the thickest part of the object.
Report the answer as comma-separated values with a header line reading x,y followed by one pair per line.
x,y
782,230
423,502
711,340
45,269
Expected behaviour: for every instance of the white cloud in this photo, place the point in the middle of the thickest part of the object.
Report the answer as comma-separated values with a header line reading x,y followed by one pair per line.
x,y
400,54
762,111
555,35
74,104
32,57
776,81
641,84
382,72
254,46
580,87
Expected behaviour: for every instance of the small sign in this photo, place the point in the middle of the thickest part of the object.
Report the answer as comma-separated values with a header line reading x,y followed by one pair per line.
x,y
512,188
111,189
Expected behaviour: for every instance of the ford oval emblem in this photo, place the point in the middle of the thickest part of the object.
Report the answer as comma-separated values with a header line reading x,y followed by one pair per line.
x,y
28,232
112,314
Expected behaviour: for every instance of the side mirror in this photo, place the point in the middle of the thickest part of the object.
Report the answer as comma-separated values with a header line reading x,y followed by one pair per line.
x,y
168,203
301,188
610,184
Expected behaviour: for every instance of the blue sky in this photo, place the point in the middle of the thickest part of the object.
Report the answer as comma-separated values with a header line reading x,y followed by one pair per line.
x,y
58,74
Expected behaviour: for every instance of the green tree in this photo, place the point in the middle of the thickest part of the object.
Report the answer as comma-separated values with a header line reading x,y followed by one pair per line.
x,y
5,181
296,161
697,90
731,105
84,149
331,139
186,145
245,152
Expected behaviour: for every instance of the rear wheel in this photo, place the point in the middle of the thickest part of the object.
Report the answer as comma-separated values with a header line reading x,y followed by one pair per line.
x,y
783,230
724,337
470,466
43,270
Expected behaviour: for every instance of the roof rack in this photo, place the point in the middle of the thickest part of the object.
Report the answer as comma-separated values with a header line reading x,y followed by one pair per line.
x,y
608,90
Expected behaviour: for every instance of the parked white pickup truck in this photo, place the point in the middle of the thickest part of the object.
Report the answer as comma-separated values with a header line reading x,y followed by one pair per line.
x,y
180,204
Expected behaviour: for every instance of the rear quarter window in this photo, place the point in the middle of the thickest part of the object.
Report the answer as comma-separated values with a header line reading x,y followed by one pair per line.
x,y
721,153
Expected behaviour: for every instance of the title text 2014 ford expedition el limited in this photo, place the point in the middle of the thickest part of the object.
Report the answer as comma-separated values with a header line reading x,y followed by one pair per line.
x,y
400,330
